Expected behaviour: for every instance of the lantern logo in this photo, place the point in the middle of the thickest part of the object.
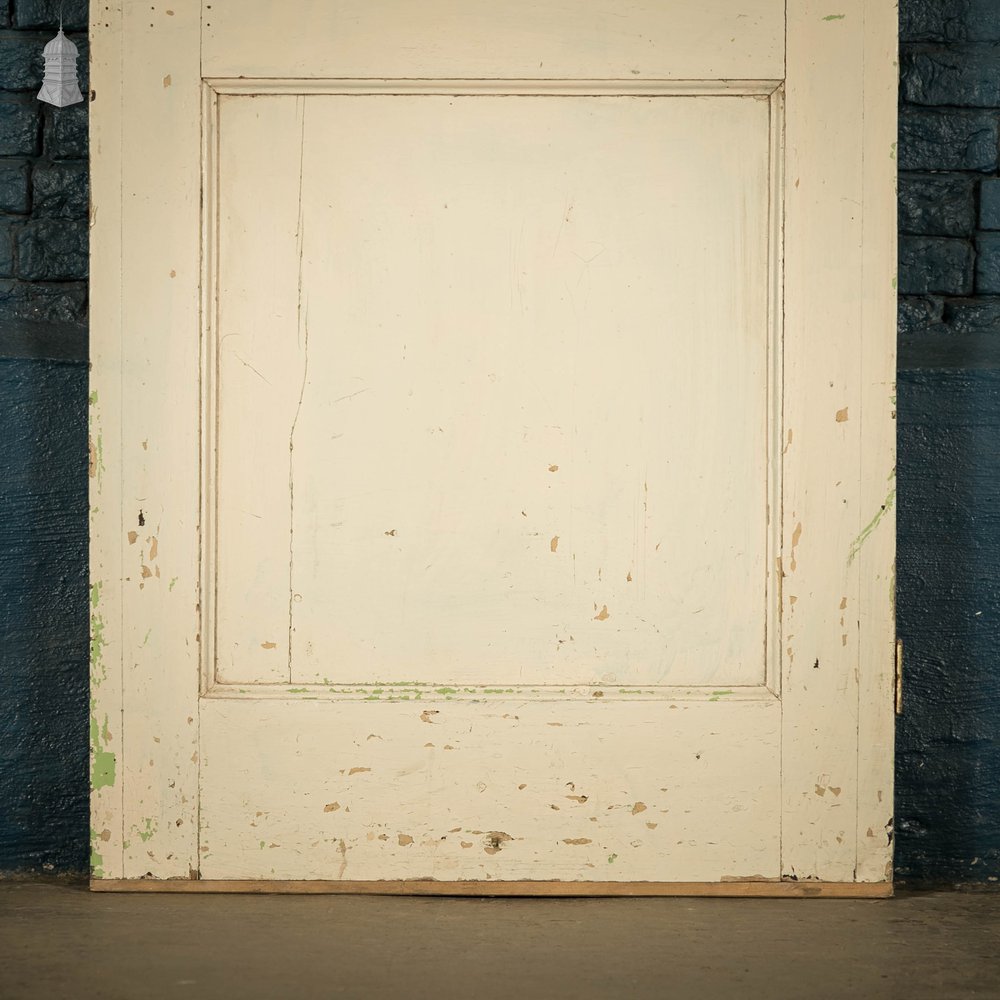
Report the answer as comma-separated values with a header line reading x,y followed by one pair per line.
x,y
59,85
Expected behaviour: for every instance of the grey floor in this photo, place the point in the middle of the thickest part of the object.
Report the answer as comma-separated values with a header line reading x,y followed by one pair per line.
x,y
59,941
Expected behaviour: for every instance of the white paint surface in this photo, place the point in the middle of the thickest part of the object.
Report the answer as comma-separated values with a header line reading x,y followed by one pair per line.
x,y
478,385
591,333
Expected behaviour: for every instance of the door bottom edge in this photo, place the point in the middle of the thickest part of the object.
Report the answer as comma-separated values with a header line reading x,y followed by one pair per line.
x,y
428,887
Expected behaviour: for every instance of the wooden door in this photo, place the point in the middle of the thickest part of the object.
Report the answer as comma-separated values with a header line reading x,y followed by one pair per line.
x,y
492,445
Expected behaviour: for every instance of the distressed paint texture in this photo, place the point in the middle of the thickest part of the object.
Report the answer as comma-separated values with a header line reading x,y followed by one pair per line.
x,y
949,548
43,618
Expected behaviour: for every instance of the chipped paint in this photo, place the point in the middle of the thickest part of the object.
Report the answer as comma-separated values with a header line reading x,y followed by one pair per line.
x,y
96,860
103,761
796,536
147,831
495,840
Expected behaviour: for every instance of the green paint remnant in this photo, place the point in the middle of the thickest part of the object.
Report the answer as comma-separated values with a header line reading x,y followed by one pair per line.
x,y
148,830
627,691
102,768
612,858
894,282
98,672
884,509
716,695
834,17
95,593
496,691
96,861
173,581
297,690
446,690
149,632
99,456
892,152
102,773
261,842
92,398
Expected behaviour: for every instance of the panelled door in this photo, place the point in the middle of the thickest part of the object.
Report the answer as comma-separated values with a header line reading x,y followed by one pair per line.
x,y
492,444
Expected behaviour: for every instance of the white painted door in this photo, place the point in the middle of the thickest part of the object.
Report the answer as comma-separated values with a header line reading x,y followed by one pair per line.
x,y
493,444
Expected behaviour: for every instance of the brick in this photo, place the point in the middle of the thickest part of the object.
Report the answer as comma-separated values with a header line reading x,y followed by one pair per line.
x,y
959,76
61,190
979,315
949,21
46,13
19,126
988,264
937,204
7,235
82,61
66,133
989,203
918,315
21,62
52,250
15,181
43,303
947,140
931,264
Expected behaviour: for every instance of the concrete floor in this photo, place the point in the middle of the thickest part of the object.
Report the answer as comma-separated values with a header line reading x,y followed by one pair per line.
x,y
59,941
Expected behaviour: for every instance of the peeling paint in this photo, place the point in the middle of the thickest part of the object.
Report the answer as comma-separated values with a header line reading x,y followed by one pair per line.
x,y
796,537
495,840
96,860
147,831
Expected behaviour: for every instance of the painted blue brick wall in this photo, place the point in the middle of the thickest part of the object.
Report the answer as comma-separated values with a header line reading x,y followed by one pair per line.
x,y
43,580
948,604
948,571
43,452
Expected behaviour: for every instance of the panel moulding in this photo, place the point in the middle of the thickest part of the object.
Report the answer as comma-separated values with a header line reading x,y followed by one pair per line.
x,y
213,89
